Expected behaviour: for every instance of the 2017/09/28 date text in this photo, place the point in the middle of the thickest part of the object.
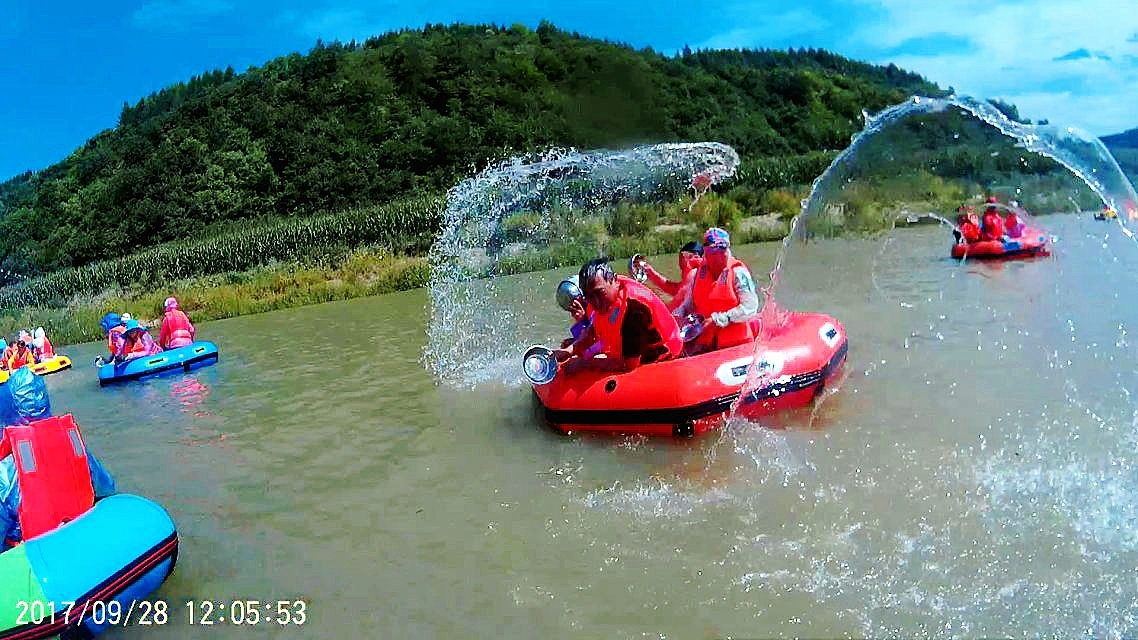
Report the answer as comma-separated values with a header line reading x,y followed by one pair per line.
x,y
99,612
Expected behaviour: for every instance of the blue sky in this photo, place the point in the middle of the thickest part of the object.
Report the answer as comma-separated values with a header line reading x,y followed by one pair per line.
x,y
67,67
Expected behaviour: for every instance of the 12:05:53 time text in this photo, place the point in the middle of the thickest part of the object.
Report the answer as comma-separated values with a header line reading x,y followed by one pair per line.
x,y
247,612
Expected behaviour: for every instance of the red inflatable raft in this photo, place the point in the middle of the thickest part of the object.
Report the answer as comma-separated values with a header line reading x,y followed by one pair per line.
x,y
688,396
1033,242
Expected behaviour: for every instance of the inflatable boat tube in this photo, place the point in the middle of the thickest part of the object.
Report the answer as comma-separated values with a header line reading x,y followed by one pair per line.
x,y
194,356
63,583
51,365
690,395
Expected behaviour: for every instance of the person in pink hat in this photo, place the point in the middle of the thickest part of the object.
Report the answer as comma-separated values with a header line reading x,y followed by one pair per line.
x,y
724,294
177,330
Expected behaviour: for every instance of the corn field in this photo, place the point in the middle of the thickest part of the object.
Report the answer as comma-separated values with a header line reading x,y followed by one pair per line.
x,y
406,227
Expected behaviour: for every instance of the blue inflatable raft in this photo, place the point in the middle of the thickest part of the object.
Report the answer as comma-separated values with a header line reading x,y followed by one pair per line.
x,y
197,355
88,574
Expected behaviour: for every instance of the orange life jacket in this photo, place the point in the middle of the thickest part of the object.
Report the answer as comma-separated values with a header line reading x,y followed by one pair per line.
x,y
607,326
51,464
717,295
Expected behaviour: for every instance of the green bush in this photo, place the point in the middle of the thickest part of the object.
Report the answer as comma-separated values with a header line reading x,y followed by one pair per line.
x,y
782,202
632,219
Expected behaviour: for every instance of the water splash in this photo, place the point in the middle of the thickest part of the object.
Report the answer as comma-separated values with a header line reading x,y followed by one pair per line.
x,y
1083,155
538,211
890,528
1080,153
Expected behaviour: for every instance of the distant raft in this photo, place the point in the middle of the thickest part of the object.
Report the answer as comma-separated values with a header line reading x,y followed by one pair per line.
x,y
183,359
1033,242
51,365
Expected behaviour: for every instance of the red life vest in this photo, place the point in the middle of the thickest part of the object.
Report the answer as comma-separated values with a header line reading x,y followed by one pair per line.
x,y
177,331
970,231
1012,226
717,295
51,464
607,326
993,226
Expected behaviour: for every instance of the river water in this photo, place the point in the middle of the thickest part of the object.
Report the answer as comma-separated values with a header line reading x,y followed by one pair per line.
x,y
973,475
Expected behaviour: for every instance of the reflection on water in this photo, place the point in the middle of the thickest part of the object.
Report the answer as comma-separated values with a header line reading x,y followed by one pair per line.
x,y
190,393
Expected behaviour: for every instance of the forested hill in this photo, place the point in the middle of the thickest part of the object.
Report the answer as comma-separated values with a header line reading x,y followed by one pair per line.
x,y
1124,147
1127,139
413,112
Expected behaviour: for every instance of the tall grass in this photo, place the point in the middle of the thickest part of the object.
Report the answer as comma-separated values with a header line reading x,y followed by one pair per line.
x,y
363,272
374,250
407,226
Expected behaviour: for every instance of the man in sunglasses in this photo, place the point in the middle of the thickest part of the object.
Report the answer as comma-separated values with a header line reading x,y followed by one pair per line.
x,y
724,294
631,322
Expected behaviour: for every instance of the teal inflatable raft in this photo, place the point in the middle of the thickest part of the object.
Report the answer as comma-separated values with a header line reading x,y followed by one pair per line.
x,y
183,359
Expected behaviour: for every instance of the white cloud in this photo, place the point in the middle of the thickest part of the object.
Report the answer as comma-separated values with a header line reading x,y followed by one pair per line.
x,y
169,13
1014,55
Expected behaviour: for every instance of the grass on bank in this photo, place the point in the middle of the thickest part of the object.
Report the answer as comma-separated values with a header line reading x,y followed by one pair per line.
x,y
282,285
70,304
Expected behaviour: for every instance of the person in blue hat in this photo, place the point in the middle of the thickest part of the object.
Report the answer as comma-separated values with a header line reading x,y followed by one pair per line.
x,y
136,342
112,325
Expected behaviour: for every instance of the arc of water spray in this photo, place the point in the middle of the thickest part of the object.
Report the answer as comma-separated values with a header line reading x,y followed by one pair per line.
x,y
1060,145
464,332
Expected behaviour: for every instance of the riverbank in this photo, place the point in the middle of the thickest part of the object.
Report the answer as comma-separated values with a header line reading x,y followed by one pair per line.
x,y
367,271
297,262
